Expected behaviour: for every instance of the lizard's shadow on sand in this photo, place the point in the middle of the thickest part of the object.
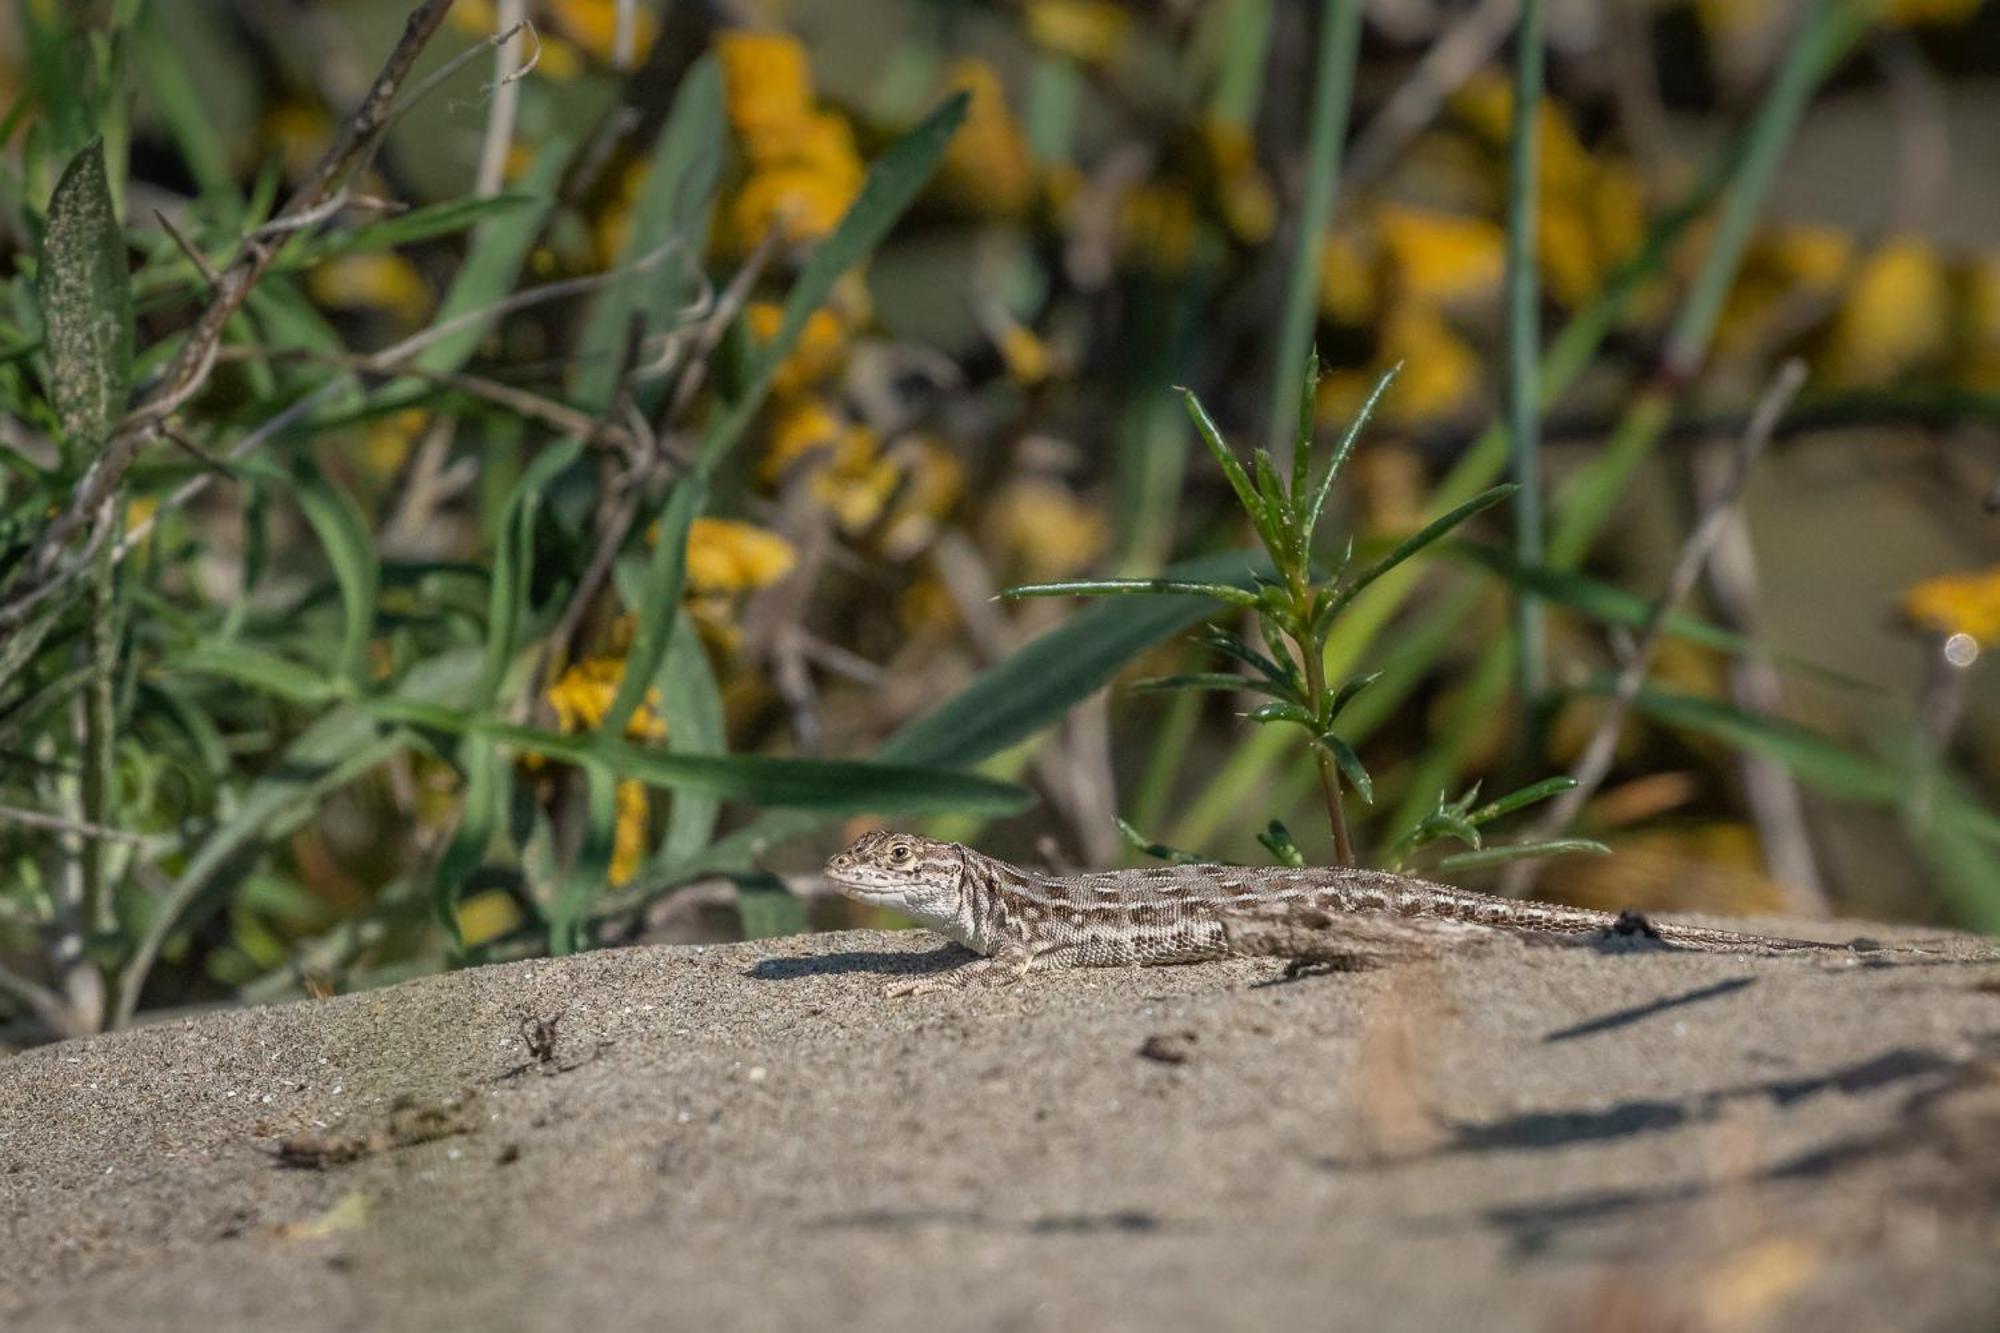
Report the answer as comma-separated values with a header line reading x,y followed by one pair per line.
x,y
878,961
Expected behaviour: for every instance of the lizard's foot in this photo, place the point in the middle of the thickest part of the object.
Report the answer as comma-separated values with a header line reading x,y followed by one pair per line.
x,y
1001,971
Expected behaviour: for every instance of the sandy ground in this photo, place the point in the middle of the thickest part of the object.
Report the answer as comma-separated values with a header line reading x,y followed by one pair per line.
x,y
751,1136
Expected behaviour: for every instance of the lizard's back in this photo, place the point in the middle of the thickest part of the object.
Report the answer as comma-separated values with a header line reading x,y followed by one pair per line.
x,y
1180,913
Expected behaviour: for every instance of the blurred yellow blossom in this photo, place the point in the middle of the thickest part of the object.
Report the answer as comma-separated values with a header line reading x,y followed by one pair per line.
x,y
593,25
1087,30
816,356
804,168
986,167
1440,257
1347,285
1966,603
385,281
386,442
766,80
485,917
1249,206
628,834
1441,371
725,555
582,695
1895,318
1781,265
1046,529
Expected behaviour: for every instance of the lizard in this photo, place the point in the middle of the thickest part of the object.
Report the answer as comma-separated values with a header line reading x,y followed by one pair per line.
x,y
1020,920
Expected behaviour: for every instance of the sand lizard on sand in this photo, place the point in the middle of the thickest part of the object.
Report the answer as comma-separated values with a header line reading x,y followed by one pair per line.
x,y
1021,920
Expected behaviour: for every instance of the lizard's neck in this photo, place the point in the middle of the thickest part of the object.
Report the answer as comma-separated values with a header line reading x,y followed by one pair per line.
x,y
989,902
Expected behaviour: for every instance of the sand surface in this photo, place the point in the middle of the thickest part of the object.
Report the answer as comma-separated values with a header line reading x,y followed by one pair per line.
x,y
751,1136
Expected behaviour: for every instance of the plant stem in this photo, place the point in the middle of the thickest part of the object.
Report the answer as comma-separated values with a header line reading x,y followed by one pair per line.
x,y
1329,775
1333,89
1523,345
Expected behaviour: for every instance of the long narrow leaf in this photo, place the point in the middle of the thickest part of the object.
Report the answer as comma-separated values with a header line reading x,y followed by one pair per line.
x,y
1221,592
336,520
85,292
660,600
835,786
1340,454
1431,532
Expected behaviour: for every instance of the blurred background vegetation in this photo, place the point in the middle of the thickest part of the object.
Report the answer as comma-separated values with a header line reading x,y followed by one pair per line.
x,y
563,518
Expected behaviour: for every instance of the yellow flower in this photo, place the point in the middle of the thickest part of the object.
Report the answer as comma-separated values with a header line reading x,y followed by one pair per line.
x,y
800,427
1249,207
1782,264
1048,531
1087,30
583,694
384,281
805,171
387,441
815,358
986,167
724,555
1441,371
1028,359
1486,103
485,917
765,78
1442,258
628,834
1346,281
1958,604
593,25
1895,318
800,205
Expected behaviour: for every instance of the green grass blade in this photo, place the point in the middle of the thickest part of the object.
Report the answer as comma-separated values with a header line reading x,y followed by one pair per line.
x,y
1518,800
1431,532
1333,94
1524,341
1346,447
1520,851
692,703
338,523
1221,592
673,202
493,259
824,785
513,566
660,600
1239,480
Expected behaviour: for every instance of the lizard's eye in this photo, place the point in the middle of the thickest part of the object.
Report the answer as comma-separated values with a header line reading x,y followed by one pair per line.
x,y
901,853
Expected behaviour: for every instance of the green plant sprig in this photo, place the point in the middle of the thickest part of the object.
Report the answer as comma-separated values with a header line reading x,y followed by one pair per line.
x,y
1296,604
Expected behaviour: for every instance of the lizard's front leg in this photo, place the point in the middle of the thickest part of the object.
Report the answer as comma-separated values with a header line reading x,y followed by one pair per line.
x,y
1009,964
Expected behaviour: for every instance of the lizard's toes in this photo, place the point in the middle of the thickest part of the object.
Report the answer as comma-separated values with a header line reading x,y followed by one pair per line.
x,y
903,989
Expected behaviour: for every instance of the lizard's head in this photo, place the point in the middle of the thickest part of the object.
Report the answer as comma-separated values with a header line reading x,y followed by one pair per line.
x,y
920,877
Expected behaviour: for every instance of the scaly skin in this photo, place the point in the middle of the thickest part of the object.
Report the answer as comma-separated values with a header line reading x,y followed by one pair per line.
x,y
1183,913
